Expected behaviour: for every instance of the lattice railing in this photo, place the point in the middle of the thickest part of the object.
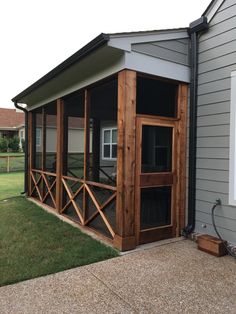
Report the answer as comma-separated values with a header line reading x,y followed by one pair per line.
x,y
43,186
86,201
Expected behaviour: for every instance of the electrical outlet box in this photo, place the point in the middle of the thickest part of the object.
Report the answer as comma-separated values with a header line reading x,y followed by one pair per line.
x,y
211,245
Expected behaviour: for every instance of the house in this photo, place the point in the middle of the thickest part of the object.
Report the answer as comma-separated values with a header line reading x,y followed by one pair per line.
x,y
158,132
12,123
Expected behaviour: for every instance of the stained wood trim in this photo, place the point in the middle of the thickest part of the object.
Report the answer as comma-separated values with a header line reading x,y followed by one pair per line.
x,y
43,139
98,206
101,185
157,121
48,189
52,174
71,197
86,133
137,179
30,151
73,179
125,207
36,185
160,118
60,152
181,156
156,179
94,215
86,148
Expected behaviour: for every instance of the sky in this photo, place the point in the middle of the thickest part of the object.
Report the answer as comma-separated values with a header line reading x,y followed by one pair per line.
x,y
37,35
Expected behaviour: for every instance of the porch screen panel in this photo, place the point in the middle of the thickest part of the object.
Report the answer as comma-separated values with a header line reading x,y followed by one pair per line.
x,y
74,135
50,137
156,97
103,154
103,133
38,139
74,157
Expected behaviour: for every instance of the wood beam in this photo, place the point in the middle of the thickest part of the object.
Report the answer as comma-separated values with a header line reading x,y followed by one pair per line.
x,y
125,209
30,151
86,150
181,156
60,153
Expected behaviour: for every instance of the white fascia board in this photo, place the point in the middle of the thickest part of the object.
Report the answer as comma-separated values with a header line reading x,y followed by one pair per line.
x,y
124,42
159,67
213,9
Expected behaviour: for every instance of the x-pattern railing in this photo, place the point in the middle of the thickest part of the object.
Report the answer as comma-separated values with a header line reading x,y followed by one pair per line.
x,y
86,186
49,184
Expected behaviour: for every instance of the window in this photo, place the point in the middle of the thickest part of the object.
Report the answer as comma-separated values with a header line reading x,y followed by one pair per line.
x,y
38,137
232,154
109,143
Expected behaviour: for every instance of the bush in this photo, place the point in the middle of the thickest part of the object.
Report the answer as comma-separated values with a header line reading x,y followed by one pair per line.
x,y
14,144
3,145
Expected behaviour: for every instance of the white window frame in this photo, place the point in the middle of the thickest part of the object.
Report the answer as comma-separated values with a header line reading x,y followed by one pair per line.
x,y
110,143
39,137
232,149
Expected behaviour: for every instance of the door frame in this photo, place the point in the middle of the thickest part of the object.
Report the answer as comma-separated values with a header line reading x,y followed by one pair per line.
x,y
179,165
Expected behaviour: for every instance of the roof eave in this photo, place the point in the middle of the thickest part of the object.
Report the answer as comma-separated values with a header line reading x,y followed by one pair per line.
x,y
97,42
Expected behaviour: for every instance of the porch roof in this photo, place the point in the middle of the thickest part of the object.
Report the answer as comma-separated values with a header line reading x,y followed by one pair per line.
x,y
105,55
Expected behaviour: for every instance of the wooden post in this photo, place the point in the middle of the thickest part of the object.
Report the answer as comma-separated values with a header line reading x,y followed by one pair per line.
x,y
181,156
43,140
60,152
30,150
86,150
125,206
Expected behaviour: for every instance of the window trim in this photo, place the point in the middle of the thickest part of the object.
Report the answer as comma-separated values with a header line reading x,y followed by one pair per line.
x,y
232,148
110,143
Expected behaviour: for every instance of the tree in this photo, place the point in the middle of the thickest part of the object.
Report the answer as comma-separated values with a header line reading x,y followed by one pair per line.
x,y
14,144
3,144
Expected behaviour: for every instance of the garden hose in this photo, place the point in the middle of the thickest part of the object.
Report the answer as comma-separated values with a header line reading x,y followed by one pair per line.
x,y
228,248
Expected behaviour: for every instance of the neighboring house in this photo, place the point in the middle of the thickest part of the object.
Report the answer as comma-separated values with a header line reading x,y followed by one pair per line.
x,y
12,123
145,171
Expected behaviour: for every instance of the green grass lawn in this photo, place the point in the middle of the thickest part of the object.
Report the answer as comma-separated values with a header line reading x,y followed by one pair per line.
x,y
34,243
11,184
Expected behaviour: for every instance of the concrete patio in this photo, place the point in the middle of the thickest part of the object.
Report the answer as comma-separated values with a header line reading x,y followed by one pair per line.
x,y
171,278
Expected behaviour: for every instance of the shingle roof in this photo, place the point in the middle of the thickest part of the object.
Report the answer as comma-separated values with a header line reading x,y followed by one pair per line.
x,y
11,119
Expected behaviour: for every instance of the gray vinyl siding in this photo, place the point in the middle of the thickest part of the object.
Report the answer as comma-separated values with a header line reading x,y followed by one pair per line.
x,y
169,50
217,58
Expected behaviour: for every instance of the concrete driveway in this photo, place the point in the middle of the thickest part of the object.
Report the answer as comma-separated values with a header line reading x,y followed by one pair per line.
x,y
172,278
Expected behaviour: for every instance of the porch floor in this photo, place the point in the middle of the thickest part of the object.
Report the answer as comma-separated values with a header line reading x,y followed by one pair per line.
x,y
171,278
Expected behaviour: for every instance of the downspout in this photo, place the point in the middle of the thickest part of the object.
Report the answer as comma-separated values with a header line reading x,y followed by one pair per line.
x,y
195,28
26,147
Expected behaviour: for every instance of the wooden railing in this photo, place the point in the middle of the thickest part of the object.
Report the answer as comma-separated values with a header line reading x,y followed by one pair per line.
x,y
85,189
42,185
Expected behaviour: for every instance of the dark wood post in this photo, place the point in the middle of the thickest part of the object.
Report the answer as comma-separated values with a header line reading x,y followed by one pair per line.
x,y
60,152
125,208
181,156
86,149
30,150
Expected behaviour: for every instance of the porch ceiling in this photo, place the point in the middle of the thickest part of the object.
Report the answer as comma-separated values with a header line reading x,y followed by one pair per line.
x,y
106,55
98,65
